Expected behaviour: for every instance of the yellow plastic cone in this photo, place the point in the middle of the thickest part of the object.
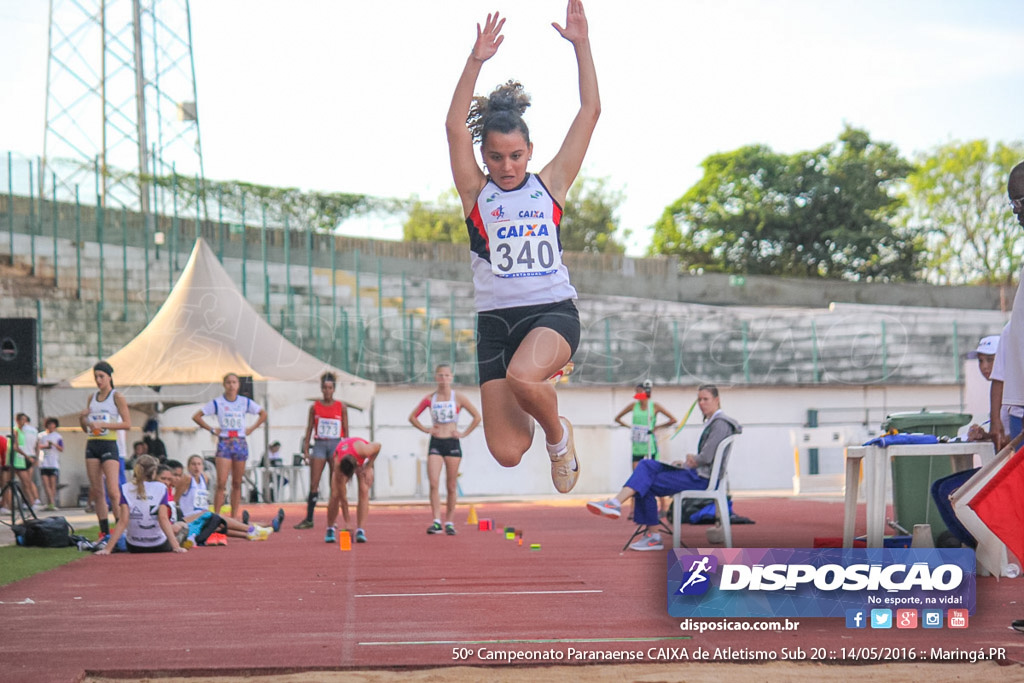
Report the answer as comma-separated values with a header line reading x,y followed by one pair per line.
x,y
472,515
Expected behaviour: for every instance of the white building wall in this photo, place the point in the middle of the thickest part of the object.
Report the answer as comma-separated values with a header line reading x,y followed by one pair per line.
x,y
763,457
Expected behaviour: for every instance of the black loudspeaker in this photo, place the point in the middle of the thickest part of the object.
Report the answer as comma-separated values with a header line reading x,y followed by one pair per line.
x,y
245,387
18,351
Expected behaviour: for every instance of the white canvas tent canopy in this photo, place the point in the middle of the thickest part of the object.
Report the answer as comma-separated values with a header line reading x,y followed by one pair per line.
x,y
204,330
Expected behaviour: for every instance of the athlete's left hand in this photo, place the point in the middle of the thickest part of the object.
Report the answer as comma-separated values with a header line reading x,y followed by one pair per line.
x,y
576,28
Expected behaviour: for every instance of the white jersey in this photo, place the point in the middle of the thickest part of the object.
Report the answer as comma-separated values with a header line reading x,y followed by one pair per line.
x,y
143,521
104,411
515,247
29,442
196,498
51,456
444,412
231,414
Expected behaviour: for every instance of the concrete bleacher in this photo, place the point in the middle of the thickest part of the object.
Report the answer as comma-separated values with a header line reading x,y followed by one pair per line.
x,y
394,327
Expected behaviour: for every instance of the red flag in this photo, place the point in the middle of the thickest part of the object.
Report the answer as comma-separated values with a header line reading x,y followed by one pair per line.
x,y
999,504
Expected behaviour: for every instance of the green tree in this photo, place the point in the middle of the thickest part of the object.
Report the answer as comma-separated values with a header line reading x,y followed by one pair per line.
x,y
827,212
441,221
589,222
320,211
957,197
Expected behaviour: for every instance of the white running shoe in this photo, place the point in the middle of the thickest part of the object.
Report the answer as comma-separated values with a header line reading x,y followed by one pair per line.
x,y
565,467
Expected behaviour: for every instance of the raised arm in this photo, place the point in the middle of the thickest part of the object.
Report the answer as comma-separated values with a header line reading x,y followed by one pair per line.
x,y
469,179
562,170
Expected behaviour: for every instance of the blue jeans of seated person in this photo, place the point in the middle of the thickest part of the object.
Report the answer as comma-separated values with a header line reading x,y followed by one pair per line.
x,y
652,479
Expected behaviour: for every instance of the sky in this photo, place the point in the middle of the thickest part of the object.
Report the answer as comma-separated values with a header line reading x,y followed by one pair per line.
x,y
342,96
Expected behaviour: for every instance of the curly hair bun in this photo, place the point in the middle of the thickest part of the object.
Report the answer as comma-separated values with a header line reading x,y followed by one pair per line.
x,y
510,96
500,111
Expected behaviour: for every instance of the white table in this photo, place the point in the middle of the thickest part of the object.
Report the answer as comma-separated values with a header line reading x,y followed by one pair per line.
x,y
875,461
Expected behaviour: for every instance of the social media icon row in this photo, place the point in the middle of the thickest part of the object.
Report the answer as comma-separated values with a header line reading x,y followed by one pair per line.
x,y
906,618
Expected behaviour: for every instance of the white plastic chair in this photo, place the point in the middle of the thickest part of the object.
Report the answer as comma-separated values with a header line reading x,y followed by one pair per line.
x,y
718,490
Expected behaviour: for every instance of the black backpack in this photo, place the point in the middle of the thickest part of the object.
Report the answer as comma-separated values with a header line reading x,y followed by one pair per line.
x,y
46,532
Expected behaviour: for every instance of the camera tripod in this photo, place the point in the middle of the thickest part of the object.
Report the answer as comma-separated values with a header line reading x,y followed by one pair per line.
x,y
19,503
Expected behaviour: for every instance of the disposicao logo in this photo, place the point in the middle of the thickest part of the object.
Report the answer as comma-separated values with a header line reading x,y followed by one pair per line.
x,y
697,579
820,582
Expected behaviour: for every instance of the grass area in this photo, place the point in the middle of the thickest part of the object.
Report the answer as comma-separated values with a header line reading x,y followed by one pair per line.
x,y
17,562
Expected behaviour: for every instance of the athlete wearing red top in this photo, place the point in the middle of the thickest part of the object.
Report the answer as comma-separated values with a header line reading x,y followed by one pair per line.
x,y
327,426
353,456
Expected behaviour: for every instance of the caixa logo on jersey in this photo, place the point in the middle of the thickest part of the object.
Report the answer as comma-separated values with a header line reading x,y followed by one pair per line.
x,y
819,582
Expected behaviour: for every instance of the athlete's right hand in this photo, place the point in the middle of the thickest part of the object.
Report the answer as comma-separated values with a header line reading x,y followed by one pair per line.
x,y
488,39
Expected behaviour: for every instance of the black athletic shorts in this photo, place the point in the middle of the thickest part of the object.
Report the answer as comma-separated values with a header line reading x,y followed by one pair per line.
x,y
445,447
49,471
102,450
500,332
164,547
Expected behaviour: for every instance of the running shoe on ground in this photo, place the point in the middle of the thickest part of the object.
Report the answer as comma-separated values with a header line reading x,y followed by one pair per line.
x,y
449,529
360,536
331,536
607,508
278,520
217,539
435,528
189,542
652,542
565,468
245,517
304,524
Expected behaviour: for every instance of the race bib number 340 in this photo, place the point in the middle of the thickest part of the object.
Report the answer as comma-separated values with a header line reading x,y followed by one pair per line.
x,y
524,250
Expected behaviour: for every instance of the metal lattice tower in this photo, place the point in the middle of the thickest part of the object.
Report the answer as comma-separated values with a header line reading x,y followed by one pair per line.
x,y
120,96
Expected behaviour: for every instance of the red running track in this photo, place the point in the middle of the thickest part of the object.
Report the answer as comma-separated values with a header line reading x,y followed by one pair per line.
x,y
406,599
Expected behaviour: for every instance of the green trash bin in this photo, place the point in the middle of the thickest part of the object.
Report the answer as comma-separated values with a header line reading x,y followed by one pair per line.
x,y
912,477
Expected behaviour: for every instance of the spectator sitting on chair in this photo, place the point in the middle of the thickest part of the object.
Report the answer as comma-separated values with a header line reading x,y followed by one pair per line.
x,y
274,457
651,478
